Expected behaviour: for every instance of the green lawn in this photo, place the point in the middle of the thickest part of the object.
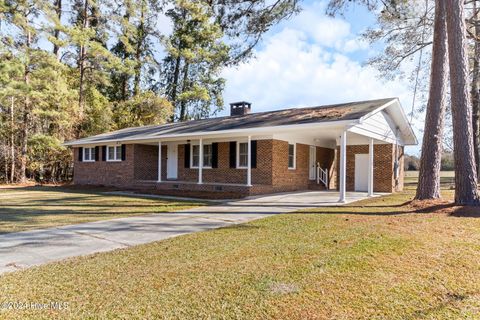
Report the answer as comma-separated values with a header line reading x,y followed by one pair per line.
x,y
382,258
42,207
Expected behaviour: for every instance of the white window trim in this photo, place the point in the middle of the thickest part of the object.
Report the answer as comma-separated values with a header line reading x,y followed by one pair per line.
x,y
238,155
191,155
294,156
83,154
118,157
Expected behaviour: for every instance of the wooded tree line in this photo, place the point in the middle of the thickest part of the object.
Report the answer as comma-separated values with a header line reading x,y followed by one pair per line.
x,y
73,68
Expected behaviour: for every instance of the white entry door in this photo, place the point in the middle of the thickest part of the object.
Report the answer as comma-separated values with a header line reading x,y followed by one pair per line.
x,y
361,172
312,161
172,161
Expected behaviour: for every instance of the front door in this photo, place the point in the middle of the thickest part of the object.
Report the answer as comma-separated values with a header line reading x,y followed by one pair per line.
x,y
312,161
361,172
172,161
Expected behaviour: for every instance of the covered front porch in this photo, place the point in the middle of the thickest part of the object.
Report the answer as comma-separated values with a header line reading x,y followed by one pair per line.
x,y
259,163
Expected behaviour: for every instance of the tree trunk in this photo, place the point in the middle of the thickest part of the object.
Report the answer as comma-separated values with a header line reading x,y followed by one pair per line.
x,y
173,90
430,161
12,142
5,162
81,64
183,107
138,51
56,34
476,88
26,115
465,172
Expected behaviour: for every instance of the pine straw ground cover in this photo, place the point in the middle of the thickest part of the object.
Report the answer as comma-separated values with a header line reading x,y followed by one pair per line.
x,y
33,207
382,258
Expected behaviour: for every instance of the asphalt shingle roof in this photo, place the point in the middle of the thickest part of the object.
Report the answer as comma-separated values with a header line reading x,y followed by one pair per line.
x,y
337,112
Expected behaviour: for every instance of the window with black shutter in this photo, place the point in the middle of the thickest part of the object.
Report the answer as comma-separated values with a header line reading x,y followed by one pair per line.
x,y
233,154
187,155
124,152
214,155
253,157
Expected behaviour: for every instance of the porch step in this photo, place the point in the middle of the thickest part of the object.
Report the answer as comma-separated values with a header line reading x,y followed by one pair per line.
x,y
314,186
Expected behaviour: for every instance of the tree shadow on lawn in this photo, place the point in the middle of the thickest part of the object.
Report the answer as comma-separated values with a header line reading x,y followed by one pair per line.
x,y
411,207
61,188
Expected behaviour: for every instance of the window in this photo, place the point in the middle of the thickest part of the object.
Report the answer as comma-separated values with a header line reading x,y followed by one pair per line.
x,y
114,153
291,156
242,155
88,154
207,156
195,156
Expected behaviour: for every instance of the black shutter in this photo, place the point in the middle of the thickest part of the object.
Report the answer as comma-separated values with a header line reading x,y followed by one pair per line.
x,y
187,155
104,153
124,152
253,157
214,155
80,154
96,153
233,154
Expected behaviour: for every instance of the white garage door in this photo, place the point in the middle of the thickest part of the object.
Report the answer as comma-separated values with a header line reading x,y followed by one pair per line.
x,y
361,172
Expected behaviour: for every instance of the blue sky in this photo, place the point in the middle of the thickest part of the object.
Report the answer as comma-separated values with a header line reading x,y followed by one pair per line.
x,y
311,60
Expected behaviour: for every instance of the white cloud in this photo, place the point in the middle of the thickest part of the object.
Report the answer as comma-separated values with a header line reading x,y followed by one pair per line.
x,y
294,68
289,71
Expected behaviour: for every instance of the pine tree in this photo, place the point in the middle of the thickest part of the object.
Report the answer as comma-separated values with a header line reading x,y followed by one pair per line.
x,y
465,171
196,55
430,162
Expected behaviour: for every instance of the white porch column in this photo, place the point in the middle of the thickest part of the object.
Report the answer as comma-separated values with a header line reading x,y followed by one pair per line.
x,y
159,161
200,161
343,166
249,162
370,168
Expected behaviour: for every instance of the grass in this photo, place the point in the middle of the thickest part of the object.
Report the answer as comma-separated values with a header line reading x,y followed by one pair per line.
x,y
29,208
381,258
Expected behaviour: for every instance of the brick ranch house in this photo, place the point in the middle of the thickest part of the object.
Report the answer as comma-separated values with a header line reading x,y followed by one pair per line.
x,y
355,146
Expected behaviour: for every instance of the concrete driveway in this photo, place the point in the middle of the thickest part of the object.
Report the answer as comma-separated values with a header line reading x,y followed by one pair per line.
x,y
29,248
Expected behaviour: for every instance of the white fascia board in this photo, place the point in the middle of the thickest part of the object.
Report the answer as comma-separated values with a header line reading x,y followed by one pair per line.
x,y
206,134
389,103
374,135
402,113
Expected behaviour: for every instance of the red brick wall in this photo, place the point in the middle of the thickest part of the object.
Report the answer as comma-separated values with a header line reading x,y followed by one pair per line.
x,y
146,162
286,179
105,173
142,164
383,162
271,175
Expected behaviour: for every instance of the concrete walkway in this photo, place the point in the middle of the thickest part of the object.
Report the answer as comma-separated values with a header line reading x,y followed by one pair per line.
x,y
29,248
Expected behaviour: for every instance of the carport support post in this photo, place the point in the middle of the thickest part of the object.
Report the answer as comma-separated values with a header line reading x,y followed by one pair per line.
x,y
200,161
159,161
249,162
370,168
343,166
